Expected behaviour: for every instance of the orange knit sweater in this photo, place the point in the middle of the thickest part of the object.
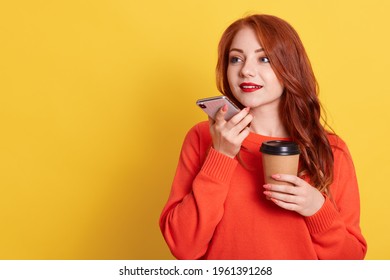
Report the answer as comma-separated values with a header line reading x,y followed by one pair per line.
x,y
217,209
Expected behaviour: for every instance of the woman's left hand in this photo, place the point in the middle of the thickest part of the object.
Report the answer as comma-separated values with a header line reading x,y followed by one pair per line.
x,y
301,197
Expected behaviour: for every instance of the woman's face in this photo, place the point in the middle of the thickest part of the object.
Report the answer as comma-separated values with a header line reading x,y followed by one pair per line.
x,y
250,76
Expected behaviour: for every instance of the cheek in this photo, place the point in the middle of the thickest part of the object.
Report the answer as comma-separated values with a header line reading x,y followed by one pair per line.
x,y
230,76
279,88
274,81
229,72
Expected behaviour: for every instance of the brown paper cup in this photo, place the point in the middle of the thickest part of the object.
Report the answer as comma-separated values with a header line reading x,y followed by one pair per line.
x,y
279,157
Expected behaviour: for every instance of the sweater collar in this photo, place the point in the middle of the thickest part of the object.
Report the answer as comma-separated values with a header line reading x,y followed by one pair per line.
x,y
254,141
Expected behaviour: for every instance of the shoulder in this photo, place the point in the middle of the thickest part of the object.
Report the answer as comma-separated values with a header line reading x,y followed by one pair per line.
x,y
198,135
201,127
336,141
344,173
196,142
199,131
339,147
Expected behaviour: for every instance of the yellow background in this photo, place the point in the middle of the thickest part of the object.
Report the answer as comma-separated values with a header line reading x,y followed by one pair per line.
x,y
96,97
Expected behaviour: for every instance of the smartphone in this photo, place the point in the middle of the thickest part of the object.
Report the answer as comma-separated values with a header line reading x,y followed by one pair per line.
x,y
211,105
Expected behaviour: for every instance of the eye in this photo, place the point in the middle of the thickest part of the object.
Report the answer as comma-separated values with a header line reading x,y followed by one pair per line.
x,y
235,59
264,59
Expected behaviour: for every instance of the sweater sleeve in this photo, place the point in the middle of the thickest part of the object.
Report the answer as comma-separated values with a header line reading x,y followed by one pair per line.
x,y
335,228
196,202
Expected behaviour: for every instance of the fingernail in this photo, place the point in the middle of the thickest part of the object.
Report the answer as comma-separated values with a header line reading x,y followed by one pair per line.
x,y
274,200
276,176
247,109
224,108
266,186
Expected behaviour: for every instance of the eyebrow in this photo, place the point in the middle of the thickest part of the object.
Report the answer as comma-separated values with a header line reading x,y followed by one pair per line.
x,y
241,51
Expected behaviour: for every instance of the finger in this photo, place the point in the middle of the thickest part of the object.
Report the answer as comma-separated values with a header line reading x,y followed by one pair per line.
x,y
238,117
243,134
287,198
284,205
281,189
243,124
211,121
220,116
295,180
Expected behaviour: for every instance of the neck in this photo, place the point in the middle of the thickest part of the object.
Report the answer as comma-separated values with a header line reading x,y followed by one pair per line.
x,y
267,123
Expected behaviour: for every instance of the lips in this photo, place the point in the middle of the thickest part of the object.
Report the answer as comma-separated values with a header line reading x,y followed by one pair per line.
x,y
249,87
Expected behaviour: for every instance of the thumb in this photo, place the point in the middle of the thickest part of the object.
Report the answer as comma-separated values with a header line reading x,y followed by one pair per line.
x,y
220,116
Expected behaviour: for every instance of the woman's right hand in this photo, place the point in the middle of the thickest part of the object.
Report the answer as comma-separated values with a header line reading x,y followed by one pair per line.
x,y
228,136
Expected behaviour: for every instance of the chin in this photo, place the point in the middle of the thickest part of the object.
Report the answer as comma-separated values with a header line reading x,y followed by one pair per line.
x,y
249,102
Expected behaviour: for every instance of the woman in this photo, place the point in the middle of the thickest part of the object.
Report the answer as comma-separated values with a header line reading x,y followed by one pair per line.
x,y
219,206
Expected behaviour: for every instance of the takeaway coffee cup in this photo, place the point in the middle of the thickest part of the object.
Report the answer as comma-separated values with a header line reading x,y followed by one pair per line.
x,y
279,157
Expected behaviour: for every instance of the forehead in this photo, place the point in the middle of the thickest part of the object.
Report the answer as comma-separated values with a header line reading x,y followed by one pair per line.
x,y
246,38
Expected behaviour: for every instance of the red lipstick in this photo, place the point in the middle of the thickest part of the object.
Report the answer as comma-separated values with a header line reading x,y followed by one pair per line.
x,y
249,87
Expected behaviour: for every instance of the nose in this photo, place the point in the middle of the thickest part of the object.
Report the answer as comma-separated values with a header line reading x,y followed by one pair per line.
x,y
248,69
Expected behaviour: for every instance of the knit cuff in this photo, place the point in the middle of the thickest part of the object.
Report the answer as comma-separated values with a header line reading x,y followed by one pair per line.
x,y
323,219
219,166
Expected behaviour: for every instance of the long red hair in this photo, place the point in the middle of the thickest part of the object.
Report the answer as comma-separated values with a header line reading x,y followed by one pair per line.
x,y
299,103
